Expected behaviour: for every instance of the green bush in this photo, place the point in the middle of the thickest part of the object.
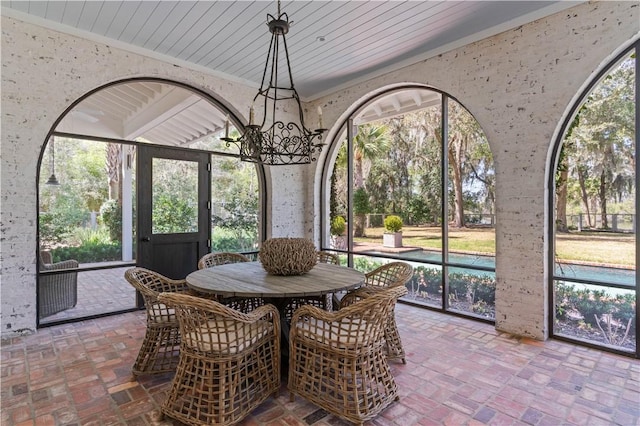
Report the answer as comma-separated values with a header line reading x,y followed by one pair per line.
x,y
392,223
427,280
81,236
481,286
365,264
338,225
89,252
232,239
111,217
361,202
60,216
173,214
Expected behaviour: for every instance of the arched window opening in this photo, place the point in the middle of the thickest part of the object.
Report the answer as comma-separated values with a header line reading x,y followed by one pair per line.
x,y
595,201
399,152
90,201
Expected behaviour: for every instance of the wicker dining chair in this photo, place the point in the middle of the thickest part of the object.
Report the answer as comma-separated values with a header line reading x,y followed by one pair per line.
x,y
229,361
327,257
161,344
220,258
243,304
322,302
337,359
394,274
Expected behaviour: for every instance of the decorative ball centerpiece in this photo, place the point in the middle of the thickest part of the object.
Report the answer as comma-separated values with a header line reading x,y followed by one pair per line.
x,y
288,256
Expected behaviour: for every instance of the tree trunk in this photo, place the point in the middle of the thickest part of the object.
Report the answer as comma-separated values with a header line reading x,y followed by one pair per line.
x,y
602,195
114,166
359,225
358,179
561,202
457,184
584,195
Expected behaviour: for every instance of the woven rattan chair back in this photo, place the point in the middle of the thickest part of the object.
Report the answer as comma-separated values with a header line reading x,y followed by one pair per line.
x,y
337,361
389,275
242,304
328,257
221,258
161,344
229,361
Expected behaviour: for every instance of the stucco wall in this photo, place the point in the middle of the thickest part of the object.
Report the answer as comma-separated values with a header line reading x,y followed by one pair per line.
x,y
517,84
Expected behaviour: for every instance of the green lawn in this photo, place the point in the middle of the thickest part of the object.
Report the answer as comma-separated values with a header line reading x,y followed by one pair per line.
x,y
592,247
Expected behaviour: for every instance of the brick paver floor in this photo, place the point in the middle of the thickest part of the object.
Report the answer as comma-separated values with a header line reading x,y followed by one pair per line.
x,y
458,372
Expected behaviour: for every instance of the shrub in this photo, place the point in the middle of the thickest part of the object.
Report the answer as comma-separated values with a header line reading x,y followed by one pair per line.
x,y
427,280
365,264
173,214
82,236
231,239
111,216
61,216
361,202
481,287
591,303
89,252
338,225
392,223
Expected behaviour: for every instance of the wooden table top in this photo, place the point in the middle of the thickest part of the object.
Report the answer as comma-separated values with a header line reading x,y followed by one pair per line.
x,y
249,279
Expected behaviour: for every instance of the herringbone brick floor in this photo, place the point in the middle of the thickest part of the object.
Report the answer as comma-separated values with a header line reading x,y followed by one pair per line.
x,y
458,372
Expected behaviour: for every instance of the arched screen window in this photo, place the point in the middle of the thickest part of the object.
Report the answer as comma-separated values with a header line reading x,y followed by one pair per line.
x,y
90,204
384,184
594,230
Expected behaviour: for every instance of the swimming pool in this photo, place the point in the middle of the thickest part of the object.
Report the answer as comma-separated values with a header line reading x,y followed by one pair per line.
x,y
605,274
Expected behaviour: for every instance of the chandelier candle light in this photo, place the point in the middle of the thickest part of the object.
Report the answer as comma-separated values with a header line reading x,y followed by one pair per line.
x,y
273,142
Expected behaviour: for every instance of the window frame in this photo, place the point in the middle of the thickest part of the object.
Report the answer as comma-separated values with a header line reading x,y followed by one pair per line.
x,y
347,124
577,103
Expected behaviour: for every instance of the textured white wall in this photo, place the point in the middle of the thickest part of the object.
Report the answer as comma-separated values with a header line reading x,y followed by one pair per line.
x,y
517,84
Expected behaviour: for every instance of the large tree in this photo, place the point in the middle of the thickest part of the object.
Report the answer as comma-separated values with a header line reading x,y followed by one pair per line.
x,y
370,143
603,161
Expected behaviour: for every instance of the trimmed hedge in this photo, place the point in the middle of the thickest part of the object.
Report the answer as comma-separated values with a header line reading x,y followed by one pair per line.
x,y
88,253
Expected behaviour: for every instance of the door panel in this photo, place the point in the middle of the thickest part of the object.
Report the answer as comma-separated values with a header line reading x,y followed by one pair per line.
x,y
173,210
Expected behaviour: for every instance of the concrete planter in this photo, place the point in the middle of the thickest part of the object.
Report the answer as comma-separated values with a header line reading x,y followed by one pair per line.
x,y
392,239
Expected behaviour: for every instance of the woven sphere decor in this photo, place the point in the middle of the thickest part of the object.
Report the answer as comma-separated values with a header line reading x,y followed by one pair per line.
x,y
288,256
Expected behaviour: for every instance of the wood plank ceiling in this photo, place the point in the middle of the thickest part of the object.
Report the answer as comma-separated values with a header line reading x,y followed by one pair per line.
x,y
332,44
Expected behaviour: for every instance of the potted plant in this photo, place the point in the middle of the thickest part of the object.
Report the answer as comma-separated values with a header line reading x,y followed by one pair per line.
x,y
392,236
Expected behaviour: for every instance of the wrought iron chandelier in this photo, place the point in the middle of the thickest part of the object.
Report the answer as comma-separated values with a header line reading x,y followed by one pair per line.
x,y
273,142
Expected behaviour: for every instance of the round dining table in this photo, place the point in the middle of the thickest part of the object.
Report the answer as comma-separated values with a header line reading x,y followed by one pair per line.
x,y
249,279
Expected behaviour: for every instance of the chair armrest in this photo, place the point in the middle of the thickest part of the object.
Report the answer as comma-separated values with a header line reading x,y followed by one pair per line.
x,y
65,264
169,286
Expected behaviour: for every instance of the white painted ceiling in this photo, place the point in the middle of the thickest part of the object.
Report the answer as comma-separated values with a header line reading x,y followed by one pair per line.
x,y
332,44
